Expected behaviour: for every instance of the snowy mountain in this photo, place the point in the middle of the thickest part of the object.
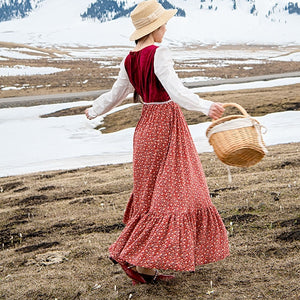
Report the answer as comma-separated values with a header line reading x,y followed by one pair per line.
x,y
107,22
10,9
107,10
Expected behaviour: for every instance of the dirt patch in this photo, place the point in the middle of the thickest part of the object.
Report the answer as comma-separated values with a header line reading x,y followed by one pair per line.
x,y
290,236
21,190
242,218
33,200
21,215
36,247
105,228
288,223
47,188
217,192
84,200
10,186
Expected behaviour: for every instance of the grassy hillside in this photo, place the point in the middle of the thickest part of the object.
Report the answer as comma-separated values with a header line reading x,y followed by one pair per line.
x,y
56,227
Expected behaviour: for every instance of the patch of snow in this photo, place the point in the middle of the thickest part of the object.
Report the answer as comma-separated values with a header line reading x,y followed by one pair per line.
x,y
248,85
11,53
9,88
38,144
20,70
289,57
28,50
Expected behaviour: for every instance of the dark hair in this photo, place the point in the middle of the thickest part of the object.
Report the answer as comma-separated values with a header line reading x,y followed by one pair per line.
x,y
137,98
141,38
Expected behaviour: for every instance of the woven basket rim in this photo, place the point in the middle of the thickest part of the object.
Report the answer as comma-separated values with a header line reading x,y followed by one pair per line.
x,y
223,120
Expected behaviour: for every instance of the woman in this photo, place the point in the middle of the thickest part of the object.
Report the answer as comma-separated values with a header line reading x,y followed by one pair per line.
x,y
170,220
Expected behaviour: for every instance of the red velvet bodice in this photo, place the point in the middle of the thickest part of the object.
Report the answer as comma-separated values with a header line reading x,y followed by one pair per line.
x,y
140,69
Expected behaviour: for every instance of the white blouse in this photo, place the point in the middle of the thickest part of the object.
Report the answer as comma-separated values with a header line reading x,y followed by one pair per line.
x,y
164,70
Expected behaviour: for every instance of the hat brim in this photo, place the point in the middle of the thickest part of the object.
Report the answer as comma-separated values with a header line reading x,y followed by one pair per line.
x,y
164,18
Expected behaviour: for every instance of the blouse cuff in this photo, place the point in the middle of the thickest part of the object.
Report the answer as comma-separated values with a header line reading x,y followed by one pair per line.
x,y
92,112
206,105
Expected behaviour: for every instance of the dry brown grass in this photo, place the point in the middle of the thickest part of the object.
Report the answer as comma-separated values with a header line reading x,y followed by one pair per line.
x,y
77,214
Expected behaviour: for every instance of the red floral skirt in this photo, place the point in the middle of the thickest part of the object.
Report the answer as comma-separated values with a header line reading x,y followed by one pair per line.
x,y
170,220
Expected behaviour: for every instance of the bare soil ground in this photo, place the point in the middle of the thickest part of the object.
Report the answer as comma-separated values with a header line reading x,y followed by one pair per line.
x,y
56,226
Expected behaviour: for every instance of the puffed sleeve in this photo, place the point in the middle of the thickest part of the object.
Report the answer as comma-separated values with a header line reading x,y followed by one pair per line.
x,y
120,90
164,70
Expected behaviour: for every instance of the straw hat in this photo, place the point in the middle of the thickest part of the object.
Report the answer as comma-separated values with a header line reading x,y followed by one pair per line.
x,y
148,16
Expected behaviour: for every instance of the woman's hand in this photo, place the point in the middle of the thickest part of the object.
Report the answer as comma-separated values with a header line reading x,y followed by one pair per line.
x,y
216,110
87,114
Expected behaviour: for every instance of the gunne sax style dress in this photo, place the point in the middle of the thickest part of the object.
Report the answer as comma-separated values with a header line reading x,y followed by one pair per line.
x,y
170,220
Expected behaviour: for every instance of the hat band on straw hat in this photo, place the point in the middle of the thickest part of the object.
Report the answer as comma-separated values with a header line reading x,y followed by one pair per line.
x,y
138,24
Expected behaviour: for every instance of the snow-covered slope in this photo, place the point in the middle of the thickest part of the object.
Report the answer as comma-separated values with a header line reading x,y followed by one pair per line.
x,y
60,22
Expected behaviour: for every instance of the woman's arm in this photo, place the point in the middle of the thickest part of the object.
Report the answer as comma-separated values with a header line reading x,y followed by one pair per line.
x,y
164,70
120,90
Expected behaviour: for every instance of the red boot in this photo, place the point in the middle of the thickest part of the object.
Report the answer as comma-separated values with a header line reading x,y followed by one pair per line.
x,y
135,276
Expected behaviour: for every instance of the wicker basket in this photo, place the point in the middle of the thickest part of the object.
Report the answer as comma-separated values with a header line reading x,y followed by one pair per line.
x,y
237,139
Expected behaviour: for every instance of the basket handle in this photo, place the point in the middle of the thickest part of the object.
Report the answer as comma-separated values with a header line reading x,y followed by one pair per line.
x,y
239,107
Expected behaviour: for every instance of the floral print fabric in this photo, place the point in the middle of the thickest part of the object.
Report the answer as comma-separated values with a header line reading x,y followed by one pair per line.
x,y
170,220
